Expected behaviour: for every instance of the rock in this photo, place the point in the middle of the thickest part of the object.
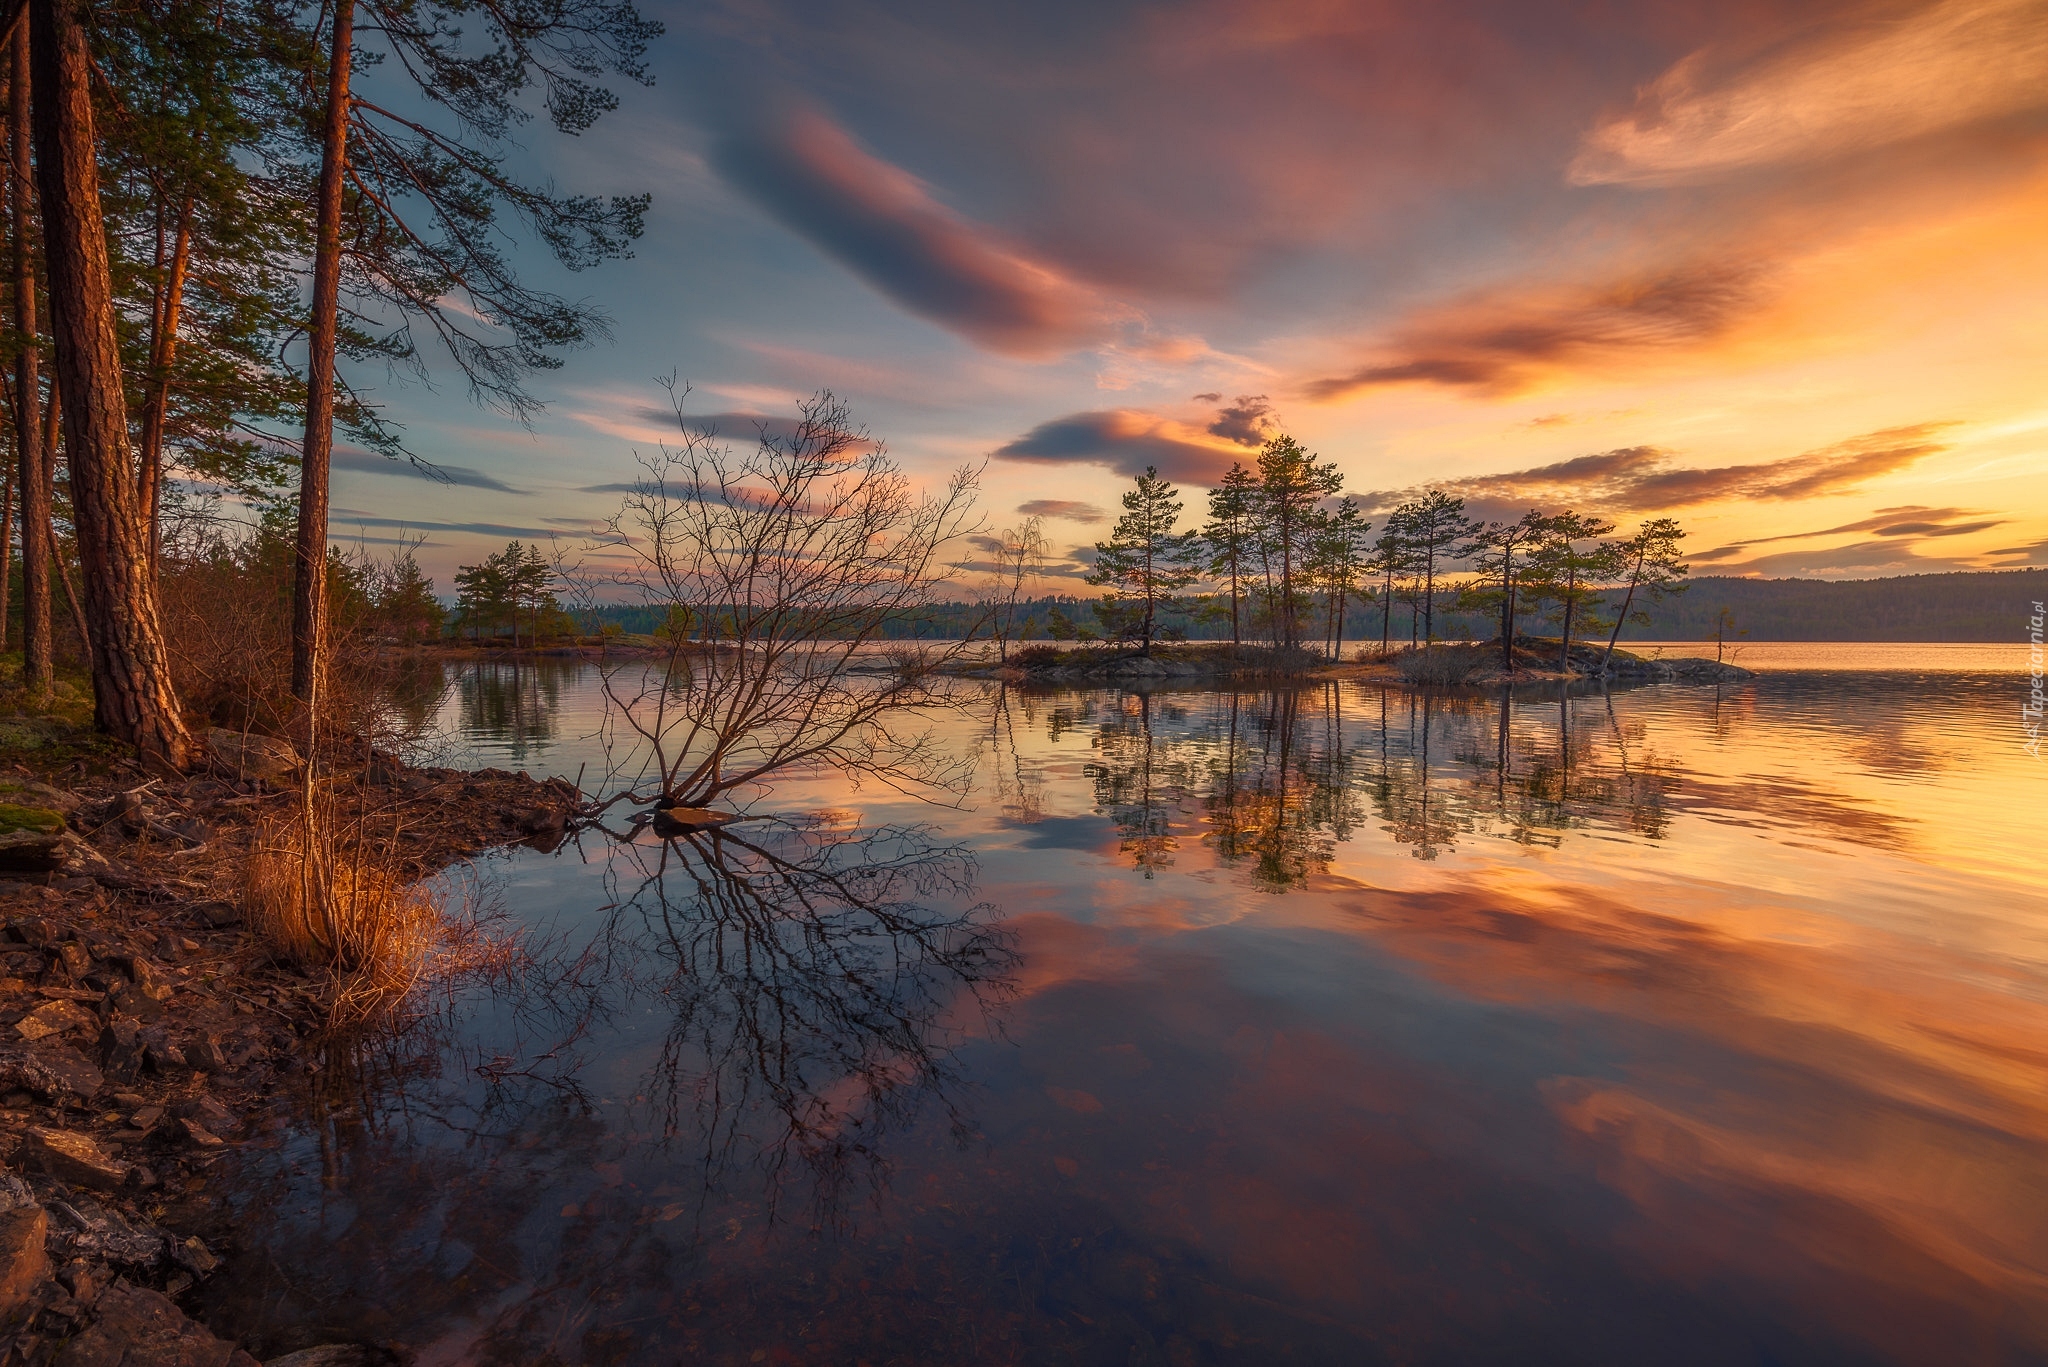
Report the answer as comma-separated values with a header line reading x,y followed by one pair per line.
x,y
198,1136
54,1018
28,793
220,914
132,1001
138,1328
143,974
70,1157
122,1049
542,820
210,1113
194,1256
205,1055
31,839
23,1262
32,931
675,820
254,757
77,960
332,1355
51,1071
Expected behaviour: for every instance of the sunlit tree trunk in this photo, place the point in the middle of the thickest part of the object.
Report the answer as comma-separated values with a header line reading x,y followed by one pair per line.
x,y
130,665
31,459
309,587
163,354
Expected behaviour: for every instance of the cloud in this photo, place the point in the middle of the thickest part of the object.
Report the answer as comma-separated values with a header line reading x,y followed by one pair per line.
x,y
1500,341
1126,440
1643,479
1248,422
370,463
343,519
743,425
1067,508
884,225
1866,559
1850,89
1911,520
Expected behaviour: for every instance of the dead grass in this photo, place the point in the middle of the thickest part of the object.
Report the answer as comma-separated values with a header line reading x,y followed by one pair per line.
x,y
335,899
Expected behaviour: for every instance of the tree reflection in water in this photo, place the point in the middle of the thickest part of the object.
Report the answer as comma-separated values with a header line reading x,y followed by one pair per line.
x,y
1277,779
515,703
533,1164
815,982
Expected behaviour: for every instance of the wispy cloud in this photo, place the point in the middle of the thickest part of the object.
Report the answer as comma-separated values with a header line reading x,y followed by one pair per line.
x,y
1912,520
370,463
1501,341
1070,509
1645,479
1848,89
343,519
885,225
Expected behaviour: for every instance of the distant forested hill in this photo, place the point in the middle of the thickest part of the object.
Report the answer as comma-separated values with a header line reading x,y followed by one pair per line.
x,y
1989,606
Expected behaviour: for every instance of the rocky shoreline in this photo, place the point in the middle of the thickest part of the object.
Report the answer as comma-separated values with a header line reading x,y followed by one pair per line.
x,y
144,1031
1474,666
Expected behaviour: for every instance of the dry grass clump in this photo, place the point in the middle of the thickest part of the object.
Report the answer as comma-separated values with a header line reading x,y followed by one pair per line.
x,y
331,898
1442,666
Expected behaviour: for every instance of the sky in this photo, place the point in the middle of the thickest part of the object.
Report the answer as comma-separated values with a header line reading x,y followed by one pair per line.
x,y
1776,269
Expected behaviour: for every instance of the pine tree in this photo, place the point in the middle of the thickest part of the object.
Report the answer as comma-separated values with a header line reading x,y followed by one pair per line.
x,y
1232,536
1437,527
1145,562
1650,560
1570,568
1503,549
1292,483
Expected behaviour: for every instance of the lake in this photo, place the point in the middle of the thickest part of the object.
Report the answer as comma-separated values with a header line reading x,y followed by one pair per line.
x,y
1333,1024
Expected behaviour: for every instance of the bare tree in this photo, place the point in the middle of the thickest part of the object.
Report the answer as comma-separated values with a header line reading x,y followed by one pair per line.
x,y
1020,558
781,566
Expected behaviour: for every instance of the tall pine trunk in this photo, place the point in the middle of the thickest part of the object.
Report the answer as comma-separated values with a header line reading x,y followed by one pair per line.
x,y
1627,604
163,354
32,464
309,583
130,665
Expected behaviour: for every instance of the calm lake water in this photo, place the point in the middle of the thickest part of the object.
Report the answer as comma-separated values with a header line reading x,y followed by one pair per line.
x,y
1330,1025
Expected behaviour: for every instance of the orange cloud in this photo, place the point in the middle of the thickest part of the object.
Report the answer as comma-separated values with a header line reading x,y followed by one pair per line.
x,y
1850,89
1500,341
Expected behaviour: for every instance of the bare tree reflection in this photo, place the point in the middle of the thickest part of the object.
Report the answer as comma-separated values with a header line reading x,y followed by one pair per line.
x,y
815,982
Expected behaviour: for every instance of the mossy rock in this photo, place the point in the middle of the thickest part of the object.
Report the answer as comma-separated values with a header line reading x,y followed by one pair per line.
x,y
41,820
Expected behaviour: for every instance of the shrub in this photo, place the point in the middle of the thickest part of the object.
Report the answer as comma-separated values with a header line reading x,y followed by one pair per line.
x,y
1032,657
1441,666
